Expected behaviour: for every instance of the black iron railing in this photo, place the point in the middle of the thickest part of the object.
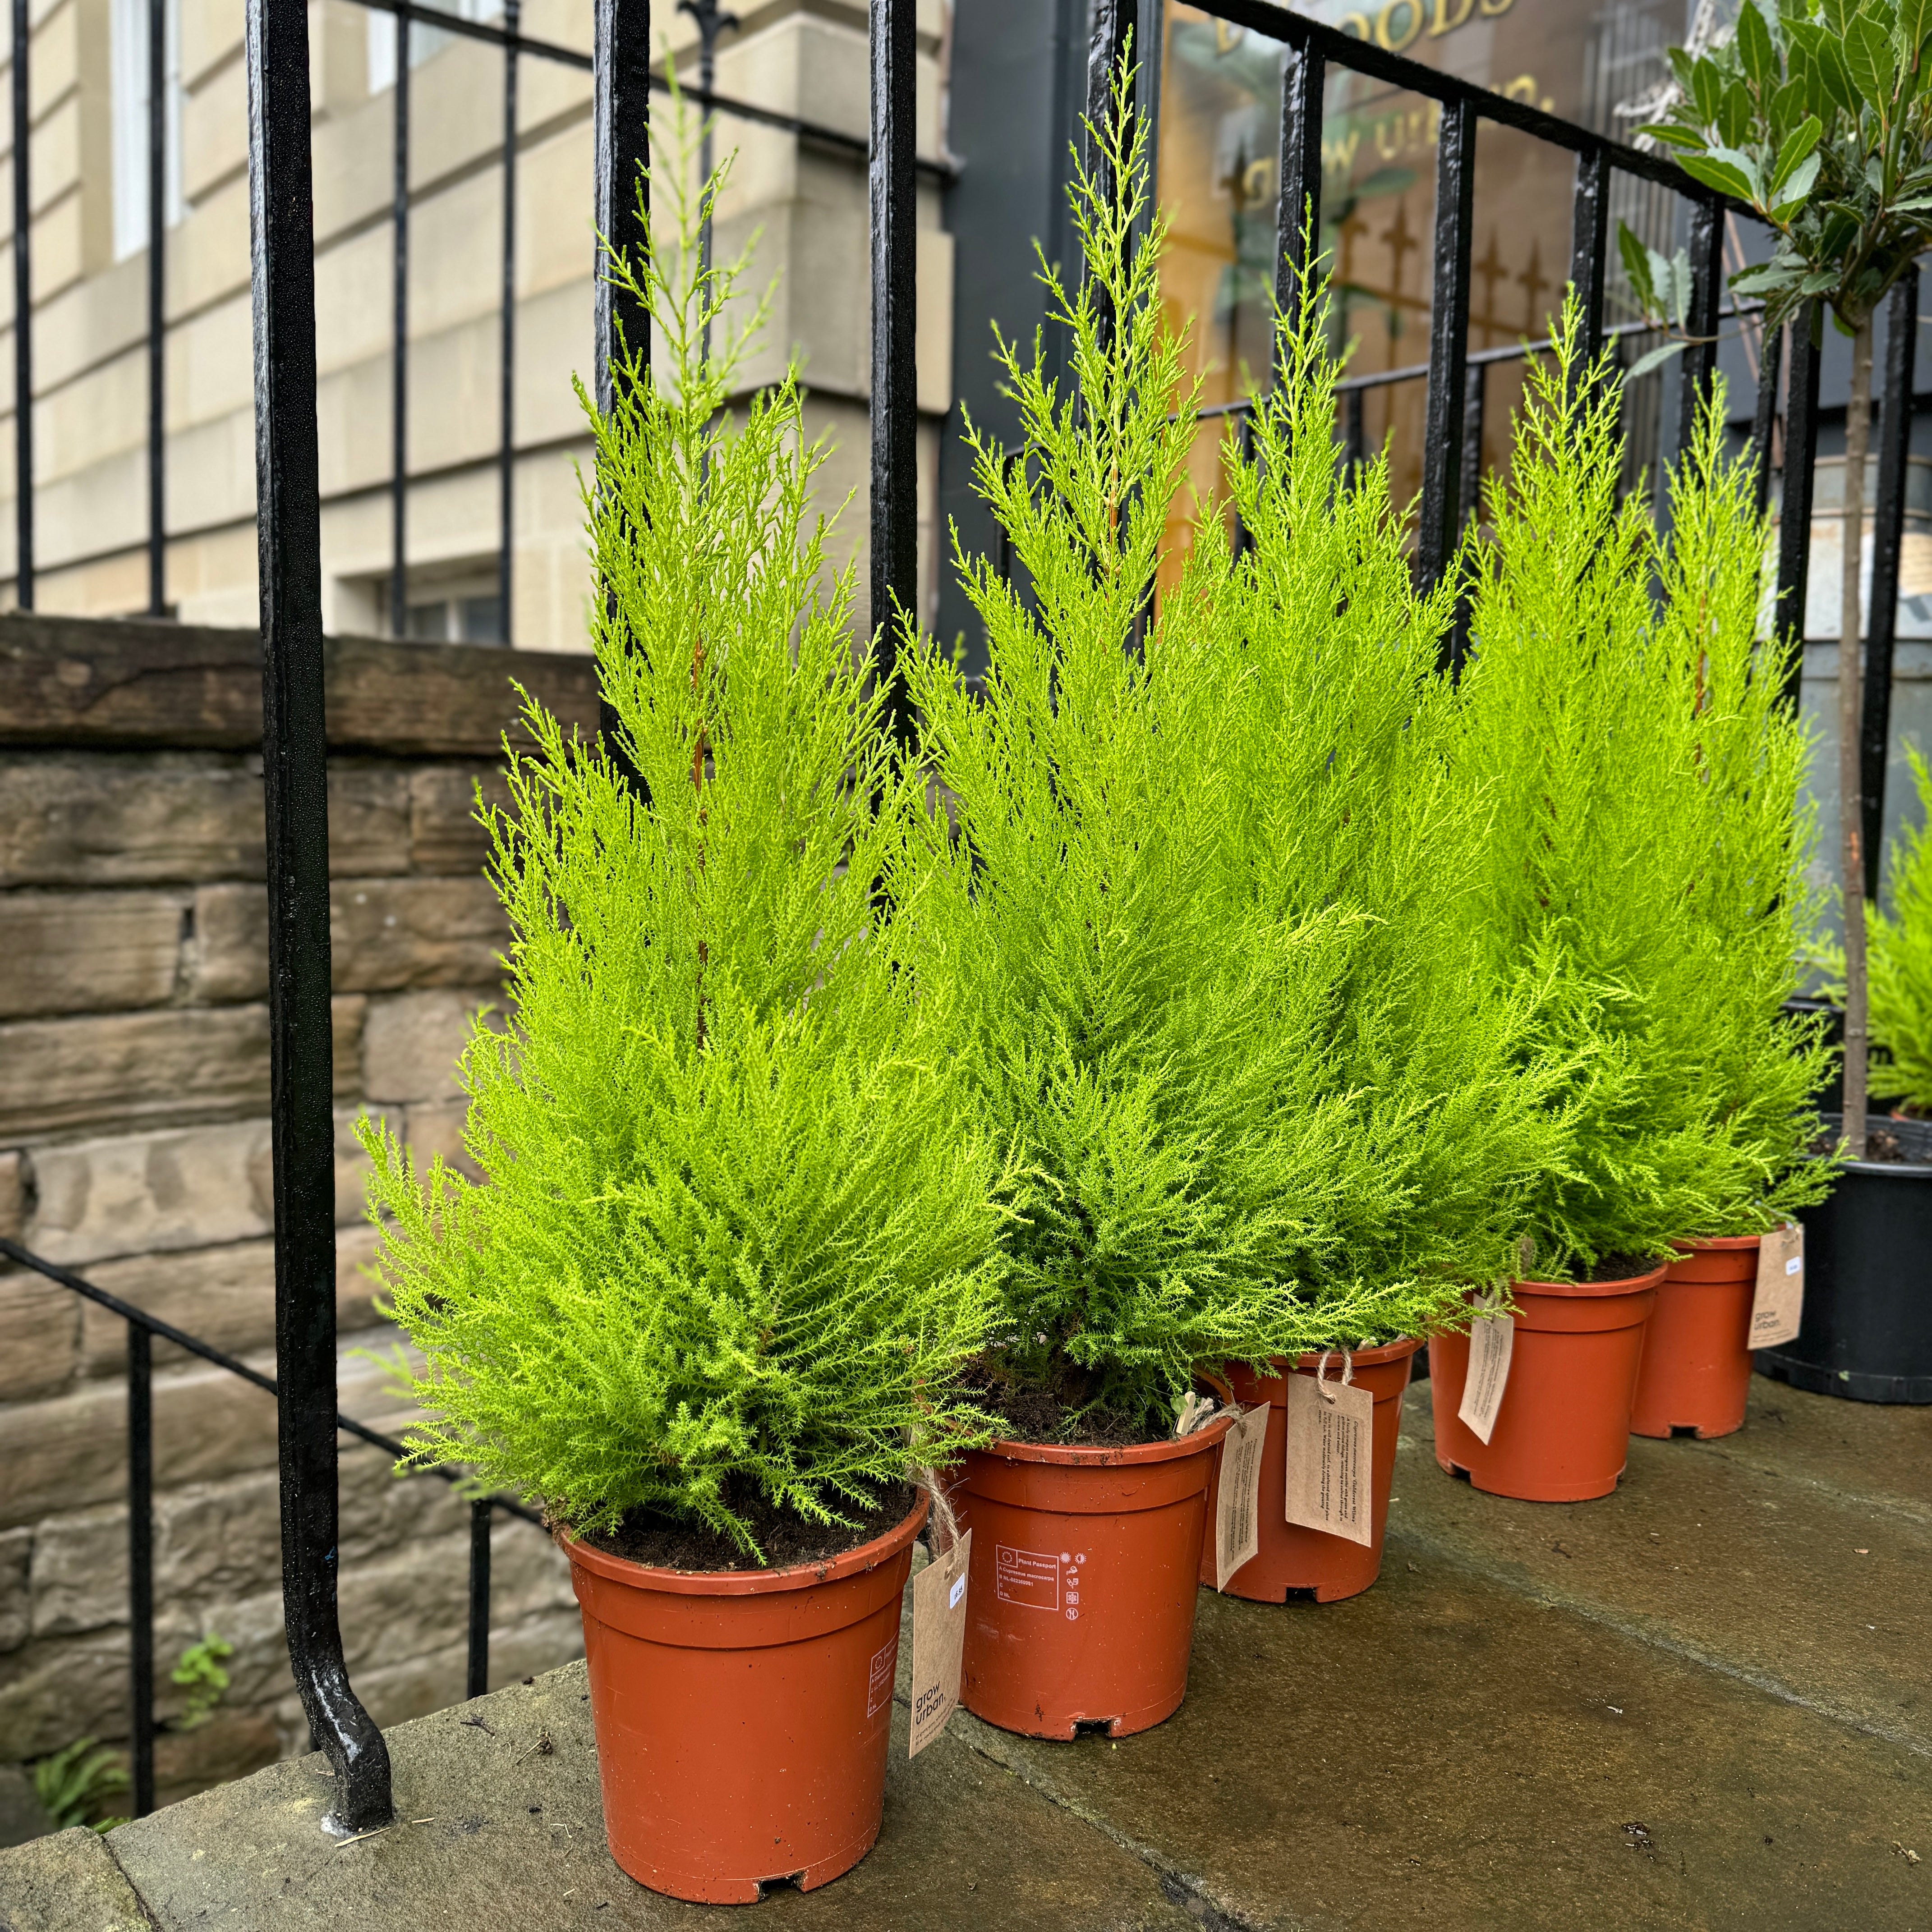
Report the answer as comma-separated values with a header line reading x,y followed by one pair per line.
x,y
516,46
142,1329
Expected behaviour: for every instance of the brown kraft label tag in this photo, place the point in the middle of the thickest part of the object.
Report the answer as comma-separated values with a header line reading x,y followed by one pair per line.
x,y
1331,1433
938,1642
1492,1337
1778,1307
1237,1510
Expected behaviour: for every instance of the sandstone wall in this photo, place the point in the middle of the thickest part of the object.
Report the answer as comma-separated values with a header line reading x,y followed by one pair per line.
x,y
134,1148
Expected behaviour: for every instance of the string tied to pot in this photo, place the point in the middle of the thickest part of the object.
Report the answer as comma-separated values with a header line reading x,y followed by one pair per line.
x,y
1321,1381
942,1524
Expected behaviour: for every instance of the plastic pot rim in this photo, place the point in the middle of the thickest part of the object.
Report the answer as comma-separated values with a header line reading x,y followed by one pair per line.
x,y
747,1582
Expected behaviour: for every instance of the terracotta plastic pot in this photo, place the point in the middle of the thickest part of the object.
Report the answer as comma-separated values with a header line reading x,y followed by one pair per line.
x,y
1082,1591
1696,1367
1563,1431
1293,1560
742,1714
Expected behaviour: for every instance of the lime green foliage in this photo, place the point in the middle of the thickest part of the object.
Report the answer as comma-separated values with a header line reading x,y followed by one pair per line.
x,y
200,1673
1161,1027
1644,865
71,1783
1744,831
1819,113
1336,734
1901,955
732,1241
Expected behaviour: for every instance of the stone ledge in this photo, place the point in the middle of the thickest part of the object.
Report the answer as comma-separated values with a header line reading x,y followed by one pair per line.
x,y
78,681
68,1882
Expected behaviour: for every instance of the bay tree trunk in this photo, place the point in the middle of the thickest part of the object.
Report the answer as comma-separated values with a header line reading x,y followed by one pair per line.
x,y
1851,719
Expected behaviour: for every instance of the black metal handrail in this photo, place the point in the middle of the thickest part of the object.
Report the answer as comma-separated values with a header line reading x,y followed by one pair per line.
x,y
144,1329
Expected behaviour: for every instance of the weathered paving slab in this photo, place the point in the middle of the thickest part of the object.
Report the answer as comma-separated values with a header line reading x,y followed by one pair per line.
x,y
512,1836
1805,1572
1656,1711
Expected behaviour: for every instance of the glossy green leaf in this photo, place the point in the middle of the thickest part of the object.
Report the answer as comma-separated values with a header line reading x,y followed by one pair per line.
x,y
1915,23
1832,70
1655,359
1707,91
1800,145
1636,265
1671,136
1839,15
1870,61
1722,176
1735,115
1790,195
1754,46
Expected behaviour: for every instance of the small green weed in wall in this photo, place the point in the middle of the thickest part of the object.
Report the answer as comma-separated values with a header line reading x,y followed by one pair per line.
x,y
71,1783
200,1673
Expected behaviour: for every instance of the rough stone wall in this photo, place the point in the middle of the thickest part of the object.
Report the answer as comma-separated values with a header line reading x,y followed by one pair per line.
x,y
134,1148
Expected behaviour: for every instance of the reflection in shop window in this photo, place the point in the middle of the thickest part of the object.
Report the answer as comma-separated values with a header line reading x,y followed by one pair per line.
x,y
1220,138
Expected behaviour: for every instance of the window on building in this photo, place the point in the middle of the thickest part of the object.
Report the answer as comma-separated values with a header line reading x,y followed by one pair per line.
x,y
423,41
128,38
449,606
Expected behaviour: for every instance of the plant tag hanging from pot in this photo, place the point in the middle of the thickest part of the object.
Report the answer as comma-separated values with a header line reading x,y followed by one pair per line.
x,y
1237,1509
938,1642
1492,1338
1331,1435
1778,1307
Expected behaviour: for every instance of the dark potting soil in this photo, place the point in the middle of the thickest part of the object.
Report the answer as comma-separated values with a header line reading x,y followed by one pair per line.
x,y
1036,1413
666,1543
1882,1145
1620,1267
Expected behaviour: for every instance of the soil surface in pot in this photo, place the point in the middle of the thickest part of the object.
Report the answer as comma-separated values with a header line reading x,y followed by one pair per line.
x,y
1619,1267
1035,1414
666,1543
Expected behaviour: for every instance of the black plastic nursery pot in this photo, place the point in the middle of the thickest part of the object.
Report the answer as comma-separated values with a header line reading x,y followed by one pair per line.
x,y
1867,1329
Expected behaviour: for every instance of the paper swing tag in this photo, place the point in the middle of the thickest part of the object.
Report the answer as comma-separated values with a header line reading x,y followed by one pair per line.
x,y
938,1642
1331,1431
1778,1306
1492,1336
1237,1509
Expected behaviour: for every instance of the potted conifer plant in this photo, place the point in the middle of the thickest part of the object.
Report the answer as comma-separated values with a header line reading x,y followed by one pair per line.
x,y
1335,737
1574,721
709,1303
1152,1031
1730,800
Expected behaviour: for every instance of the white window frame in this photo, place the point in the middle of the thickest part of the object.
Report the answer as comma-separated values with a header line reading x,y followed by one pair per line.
x,y
127,46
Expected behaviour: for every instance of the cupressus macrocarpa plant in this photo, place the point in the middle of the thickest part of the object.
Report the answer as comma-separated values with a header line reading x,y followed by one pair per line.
x,y
1199,867
731,1248
1645,862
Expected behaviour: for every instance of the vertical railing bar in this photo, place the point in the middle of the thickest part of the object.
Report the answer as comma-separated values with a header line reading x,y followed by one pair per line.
x,y
1469,467
23,315
620,134
1700,357
1764,422
295,797
1589,241
894,476
506,351
1894,442
141,1561
1801,460
1298,213
157,56
1354,432
1448,341
399,347
1110,23
477,1680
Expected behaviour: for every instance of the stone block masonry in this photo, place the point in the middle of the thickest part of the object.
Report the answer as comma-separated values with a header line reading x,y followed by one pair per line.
x,y
134,1148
